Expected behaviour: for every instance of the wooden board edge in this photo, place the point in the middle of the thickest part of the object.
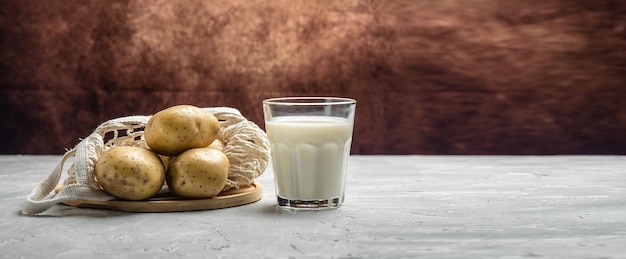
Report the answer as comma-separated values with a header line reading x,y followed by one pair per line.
x,y
232,198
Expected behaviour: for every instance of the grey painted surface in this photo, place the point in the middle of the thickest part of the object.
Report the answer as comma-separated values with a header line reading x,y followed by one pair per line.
x,y
396,206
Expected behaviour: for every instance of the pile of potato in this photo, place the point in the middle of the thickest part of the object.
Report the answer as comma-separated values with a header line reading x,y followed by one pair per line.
x,y
183,152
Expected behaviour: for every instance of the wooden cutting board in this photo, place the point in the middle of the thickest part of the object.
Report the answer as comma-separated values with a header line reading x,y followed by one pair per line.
x,y
168,203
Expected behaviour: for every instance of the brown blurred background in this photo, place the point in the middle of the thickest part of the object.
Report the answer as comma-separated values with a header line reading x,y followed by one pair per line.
x,y
430,77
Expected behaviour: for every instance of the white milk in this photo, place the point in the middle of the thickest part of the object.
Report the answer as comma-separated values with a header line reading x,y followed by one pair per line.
x,y
310,155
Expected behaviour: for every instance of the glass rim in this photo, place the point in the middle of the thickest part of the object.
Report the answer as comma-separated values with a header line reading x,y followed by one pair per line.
x,y
309,100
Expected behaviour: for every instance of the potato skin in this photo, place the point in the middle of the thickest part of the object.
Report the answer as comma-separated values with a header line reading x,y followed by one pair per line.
x,y
217,144
178,128
130,173
198,173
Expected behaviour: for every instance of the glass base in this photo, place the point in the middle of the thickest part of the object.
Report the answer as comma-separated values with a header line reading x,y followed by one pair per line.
x,y
323,204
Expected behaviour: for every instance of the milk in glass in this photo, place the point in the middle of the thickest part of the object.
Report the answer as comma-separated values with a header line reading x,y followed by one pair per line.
x,y
310,156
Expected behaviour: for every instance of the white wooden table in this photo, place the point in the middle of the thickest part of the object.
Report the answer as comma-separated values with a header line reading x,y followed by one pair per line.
x,y
396,206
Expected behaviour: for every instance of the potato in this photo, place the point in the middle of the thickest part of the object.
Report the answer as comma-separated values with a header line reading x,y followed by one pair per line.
x,y
198,173
178,128
166,161
217,144
130,173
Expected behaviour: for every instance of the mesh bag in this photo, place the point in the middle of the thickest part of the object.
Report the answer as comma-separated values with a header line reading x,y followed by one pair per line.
x,y
246,147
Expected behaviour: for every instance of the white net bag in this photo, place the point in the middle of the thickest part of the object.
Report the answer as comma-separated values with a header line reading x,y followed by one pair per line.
x,y
246,147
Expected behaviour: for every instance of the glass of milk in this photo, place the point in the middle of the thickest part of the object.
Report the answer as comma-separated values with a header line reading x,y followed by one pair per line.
x,y
310,138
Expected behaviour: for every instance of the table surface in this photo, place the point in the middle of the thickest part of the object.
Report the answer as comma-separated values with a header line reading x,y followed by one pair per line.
x,y
396,206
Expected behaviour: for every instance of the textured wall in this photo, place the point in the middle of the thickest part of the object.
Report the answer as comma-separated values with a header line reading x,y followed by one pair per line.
x,y
430,77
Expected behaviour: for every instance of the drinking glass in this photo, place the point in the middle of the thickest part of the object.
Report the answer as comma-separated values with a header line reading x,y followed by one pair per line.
x,y
310,139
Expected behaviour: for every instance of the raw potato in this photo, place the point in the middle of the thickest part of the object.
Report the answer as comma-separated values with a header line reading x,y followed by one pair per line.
x,y
166,160
130,173
198,173
178,128
217,144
